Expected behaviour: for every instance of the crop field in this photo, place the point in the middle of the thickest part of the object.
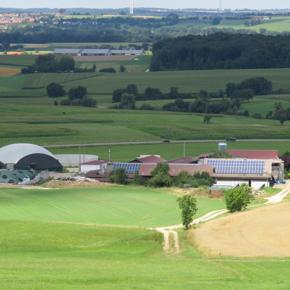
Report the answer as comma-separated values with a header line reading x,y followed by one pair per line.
x,y
41,80
95,238
170,151
8,71
17,61
36,119
276,24
187,81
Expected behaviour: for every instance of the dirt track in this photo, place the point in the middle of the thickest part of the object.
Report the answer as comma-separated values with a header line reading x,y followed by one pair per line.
x,y
264,232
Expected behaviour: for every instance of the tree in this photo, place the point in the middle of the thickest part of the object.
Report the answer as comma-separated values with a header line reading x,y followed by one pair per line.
x,y
77,93
188,207
132,89
66,63
160,176
237,199
207,119
122,68
119,176
128,102
55,90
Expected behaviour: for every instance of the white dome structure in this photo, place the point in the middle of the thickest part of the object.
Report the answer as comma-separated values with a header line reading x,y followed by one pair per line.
x,y
27,156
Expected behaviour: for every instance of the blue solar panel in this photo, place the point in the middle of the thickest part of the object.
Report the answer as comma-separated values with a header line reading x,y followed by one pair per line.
x,y
229,166
130,168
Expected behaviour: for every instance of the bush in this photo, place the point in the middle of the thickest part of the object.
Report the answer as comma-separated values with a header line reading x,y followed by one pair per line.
x,y
160,176
108,70
55,90
237,199
119,176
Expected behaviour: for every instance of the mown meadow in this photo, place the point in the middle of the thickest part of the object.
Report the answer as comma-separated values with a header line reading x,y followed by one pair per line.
x,y
96,238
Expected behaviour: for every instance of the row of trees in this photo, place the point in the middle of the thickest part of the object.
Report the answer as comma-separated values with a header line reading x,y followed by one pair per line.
x,y
55,64
148,94
221,51
77,96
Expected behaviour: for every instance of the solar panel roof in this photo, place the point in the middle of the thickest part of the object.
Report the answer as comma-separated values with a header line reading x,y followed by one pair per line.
x,y
130,168
244,167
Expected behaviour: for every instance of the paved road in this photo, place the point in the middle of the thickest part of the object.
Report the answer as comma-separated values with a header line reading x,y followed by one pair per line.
x,y
160,142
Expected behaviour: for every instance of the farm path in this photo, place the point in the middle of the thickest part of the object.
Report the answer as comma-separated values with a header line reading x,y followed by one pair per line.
x,y
172,230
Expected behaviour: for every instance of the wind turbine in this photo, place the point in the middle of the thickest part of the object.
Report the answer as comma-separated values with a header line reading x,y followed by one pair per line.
x,y
131,7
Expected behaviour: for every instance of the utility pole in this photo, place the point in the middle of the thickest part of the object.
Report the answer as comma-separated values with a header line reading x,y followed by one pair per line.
x,y
131,7
109,154
184,149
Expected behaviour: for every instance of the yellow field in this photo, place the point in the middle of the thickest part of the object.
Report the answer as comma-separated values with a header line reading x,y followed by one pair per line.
x,y
264,232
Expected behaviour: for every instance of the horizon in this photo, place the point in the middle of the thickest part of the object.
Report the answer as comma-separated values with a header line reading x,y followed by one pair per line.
x,y
119,4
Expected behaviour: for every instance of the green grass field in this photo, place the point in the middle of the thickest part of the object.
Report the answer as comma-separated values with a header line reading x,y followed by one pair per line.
x,y
170,151
86,239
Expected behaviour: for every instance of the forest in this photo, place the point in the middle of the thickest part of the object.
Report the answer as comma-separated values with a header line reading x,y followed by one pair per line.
x,y
221,51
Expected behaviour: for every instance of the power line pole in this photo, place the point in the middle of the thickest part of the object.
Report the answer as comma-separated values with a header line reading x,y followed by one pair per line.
x,y
131,7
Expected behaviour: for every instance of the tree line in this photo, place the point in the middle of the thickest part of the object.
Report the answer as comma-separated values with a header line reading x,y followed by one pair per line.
x,y
55,64
221,51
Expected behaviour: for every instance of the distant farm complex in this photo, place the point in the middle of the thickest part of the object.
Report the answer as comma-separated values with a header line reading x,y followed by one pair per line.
x,y
257,168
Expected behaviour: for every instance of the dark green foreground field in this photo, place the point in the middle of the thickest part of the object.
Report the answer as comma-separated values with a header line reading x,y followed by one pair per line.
x,y
95,239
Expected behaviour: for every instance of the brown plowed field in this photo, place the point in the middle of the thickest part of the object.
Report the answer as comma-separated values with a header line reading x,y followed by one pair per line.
x,y
264,232
6,71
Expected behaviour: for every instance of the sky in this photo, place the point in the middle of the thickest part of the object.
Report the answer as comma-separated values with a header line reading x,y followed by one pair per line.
x,y
240,4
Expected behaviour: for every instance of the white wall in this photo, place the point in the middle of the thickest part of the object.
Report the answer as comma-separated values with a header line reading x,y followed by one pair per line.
x,y
88,168
256,184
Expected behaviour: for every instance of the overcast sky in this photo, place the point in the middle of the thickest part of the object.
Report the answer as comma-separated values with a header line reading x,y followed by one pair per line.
x,y
261,4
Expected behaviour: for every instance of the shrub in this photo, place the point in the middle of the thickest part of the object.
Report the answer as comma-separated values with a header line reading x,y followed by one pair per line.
x,y
237,199
119,176
108,70
160,176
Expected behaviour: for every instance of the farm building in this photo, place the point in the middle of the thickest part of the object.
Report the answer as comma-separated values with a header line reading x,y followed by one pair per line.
x,y
67,51
28,156
97,52
99,166
148,159
145,169
254,172
75,160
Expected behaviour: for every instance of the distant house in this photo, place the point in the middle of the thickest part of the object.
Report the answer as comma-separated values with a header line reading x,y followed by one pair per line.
x,y
99,166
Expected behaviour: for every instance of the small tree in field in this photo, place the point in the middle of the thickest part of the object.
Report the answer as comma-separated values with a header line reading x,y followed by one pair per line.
x,y
55,90
237,199
188,208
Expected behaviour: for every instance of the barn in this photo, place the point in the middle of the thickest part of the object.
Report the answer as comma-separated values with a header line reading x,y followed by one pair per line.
x,y
28,156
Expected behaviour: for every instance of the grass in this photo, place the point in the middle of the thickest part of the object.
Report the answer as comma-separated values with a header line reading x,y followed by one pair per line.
x,y
170,151
36,120
118,206
44,244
